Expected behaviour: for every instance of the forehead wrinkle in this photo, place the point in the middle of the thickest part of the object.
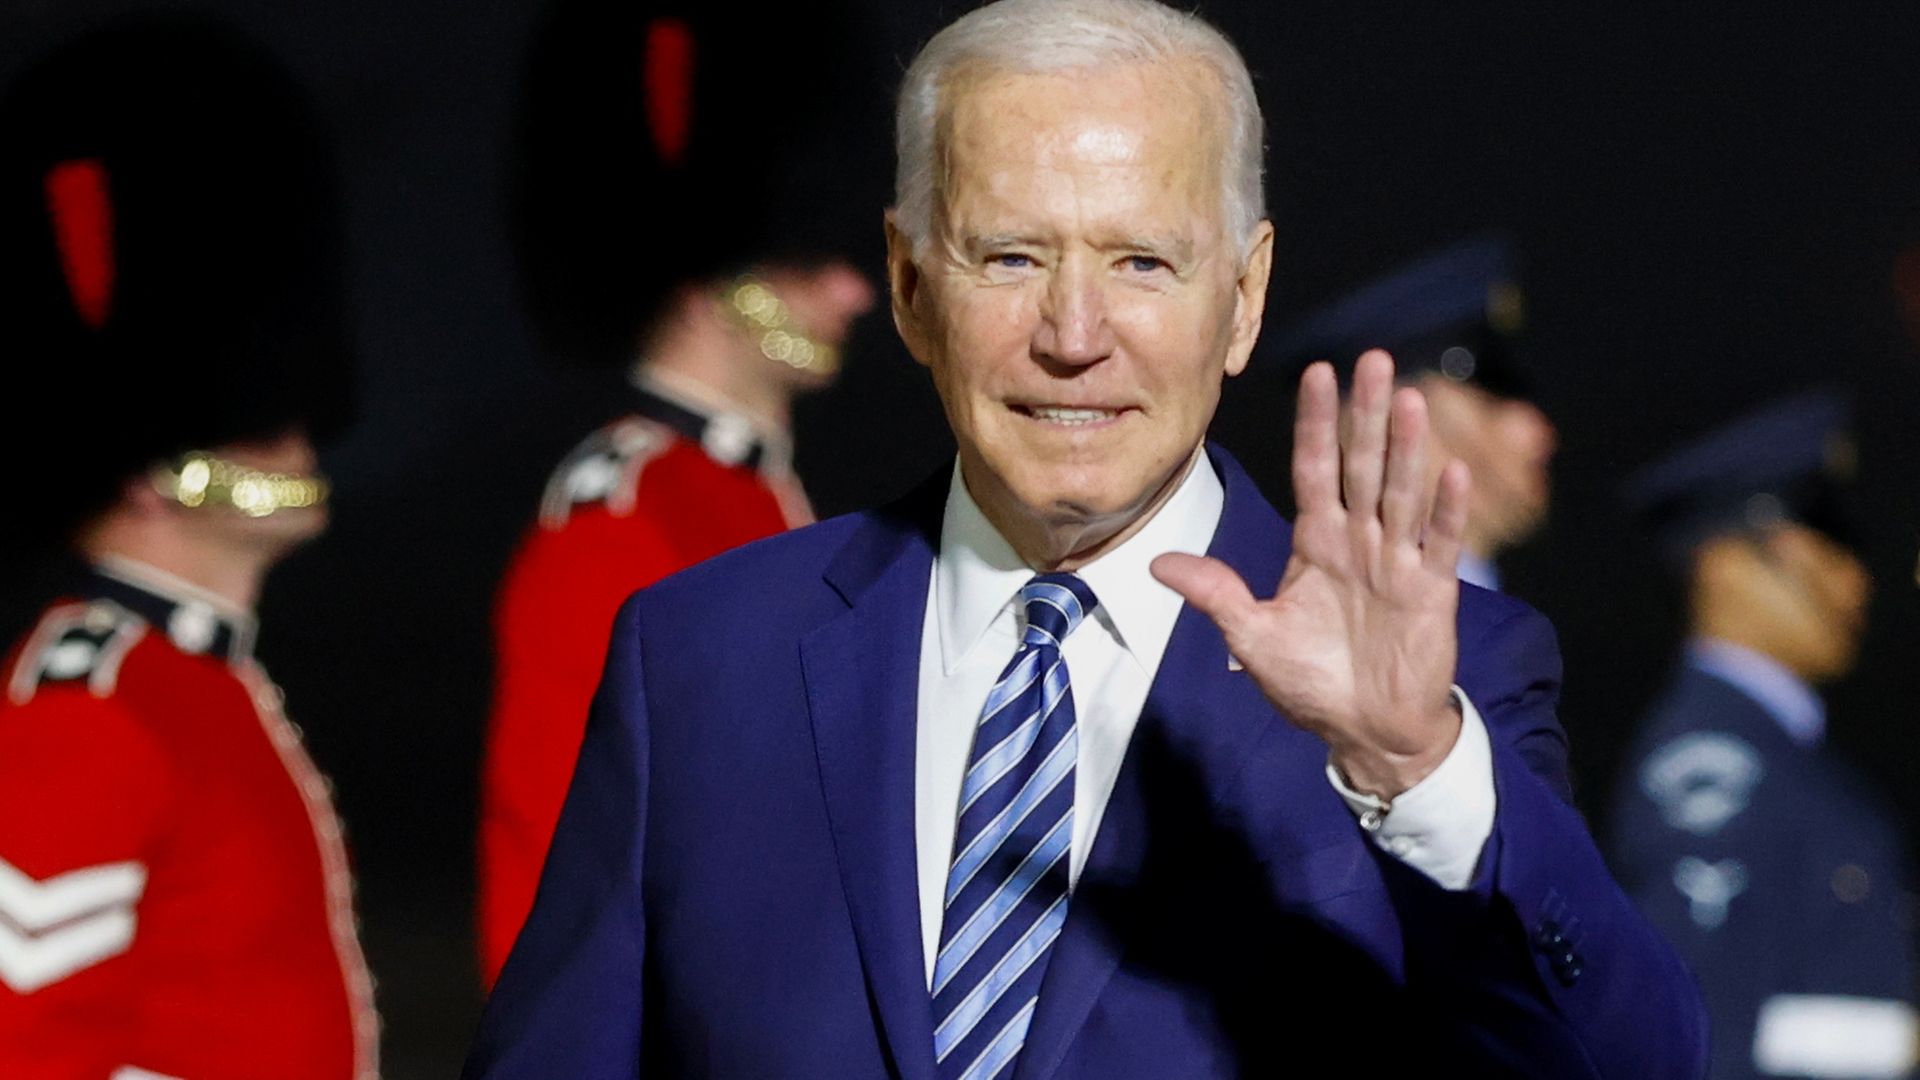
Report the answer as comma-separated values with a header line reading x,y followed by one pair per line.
x,y
1004,138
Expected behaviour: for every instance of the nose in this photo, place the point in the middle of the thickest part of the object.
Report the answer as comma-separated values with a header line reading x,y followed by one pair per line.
x,y
1073,327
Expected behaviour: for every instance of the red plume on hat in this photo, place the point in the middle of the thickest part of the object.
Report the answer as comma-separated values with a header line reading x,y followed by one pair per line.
x,y
80,209
666,143
668,72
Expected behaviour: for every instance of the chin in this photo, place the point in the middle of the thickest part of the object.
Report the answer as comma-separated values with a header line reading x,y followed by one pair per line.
x,y
1079,493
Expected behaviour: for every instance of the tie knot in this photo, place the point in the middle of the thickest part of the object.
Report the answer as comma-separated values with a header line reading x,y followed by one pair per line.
x,y
1055,604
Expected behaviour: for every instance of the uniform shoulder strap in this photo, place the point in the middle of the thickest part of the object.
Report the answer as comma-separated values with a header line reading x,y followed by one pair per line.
x,y
604,469
75,644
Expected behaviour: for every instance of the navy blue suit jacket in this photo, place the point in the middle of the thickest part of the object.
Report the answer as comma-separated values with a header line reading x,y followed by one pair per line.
x,y
1769,864
732,890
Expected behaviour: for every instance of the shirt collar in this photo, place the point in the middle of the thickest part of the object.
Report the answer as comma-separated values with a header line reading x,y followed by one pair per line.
x,y
978,575
727,433
1785,696
194,619
1479,570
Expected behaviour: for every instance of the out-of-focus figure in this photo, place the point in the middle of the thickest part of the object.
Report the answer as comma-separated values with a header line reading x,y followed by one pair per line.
x,y
175,896
1452,321
677,216
1774,868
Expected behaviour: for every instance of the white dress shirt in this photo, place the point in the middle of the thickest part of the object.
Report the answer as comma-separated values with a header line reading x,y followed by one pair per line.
x,y
1479,570
973,626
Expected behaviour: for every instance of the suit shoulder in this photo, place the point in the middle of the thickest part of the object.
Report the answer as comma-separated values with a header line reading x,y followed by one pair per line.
x,y
1500,631
79,645
1484,609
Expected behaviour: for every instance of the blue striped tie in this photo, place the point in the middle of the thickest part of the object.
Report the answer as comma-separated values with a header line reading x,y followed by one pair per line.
x,y
1007,888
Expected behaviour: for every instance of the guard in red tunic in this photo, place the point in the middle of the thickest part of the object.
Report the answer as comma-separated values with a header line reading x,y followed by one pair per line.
x,y
735,303
175,893
175,898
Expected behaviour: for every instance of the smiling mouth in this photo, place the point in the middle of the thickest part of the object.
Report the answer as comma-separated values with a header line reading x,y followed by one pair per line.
x,y
1068,416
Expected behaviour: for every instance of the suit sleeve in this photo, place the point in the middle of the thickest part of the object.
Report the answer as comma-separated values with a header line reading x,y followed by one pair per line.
x,y
556,607
568,1002
84,805
1547,951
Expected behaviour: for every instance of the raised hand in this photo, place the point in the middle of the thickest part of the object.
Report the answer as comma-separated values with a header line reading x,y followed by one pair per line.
x,y
1358,645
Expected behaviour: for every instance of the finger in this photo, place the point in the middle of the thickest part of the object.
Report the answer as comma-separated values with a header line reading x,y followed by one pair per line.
x,y
1209,585
1364,461
1403,503
1316,441
1447,528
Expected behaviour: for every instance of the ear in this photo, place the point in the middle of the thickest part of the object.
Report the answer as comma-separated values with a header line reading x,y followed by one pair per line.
x,y
903,288
1250,298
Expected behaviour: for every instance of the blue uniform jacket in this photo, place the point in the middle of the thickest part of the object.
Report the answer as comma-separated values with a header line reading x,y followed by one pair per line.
x,y
732,891
1764,861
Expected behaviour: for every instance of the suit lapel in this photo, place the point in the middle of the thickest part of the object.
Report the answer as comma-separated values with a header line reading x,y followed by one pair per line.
x,y
862,672
1197,711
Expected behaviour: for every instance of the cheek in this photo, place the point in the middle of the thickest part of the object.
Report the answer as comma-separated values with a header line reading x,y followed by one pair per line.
x,y
1174,347
988,329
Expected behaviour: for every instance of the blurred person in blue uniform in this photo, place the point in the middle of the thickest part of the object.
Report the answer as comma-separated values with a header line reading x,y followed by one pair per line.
x,y
1452,320
1773,867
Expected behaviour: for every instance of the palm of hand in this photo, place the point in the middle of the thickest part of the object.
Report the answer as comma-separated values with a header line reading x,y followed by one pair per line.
x,y
1358,645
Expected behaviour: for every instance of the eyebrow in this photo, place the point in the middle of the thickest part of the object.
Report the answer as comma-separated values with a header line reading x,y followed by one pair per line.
x,y
1177,249
975,245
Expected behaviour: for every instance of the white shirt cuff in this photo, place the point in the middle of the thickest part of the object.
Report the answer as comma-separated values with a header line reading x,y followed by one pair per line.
x,y
1440,825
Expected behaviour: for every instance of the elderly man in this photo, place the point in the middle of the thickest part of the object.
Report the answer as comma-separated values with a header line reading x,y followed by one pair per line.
x,y
962,788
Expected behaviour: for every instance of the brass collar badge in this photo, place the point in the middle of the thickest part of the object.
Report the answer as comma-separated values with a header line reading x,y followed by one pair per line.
x,y
199,478
754,306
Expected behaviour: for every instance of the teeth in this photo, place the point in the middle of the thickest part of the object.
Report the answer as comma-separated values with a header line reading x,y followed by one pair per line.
x,y
1072,416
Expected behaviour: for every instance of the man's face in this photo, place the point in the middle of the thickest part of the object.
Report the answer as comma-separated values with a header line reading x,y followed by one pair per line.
x,y
1079,301
1508,444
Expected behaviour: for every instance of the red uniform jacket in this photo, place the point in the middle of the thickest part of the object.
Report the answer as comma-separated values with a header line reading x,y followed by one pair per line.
x,y
638,500
175,899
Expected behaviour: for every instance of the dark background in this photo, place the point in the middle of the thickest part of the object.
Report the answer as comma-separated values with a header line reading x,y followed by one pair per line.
x,y
1708,202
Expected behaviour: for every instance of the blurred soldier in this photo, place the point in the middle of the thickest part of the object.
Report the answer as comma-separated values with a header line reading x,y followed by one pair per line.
x,y
676,216
1775,870
175,896
1452,321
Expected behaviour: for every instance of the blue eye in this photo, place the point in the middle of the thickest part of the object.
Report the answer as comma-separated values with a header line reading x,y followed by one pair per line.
x,y
1011,260
1145,264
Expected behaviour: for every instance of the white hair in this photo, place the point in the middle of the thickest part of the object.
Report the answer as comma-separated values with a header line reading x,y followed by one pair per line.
x,y
1049,36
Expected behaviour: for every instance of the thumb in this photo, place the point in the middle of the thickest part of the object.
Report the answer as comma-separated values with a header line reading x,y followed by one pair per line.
x,y
1207,584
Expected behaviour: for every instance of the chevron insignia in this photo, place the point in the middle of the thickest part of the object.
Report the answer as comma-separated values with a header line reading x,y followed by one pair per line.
x,y
65,924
